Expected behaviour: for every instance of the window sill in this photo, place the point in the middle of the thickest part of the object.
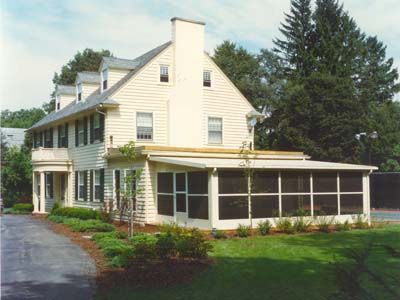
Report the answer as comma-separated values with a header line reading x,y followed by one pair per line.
x,y
164,83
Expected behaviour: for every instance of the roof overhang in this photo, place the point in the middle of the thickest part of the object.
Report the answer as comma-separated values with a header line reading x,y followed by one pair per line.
x,y
270,164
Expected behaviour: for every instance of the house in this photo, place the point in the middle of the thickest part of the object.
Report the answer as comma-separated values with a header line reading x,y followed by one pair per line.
x,y
188,122
13,136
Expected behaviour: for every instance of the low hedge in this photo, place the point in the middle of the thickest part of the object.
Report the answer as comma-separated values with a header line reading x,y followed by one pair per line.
x,y
115,247
83,225
77,212
28,207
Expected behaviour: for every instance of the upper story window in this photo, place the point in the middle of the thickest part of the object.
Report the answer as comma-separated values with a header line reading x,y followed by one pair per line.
x,y
96,127
207,78
144,126
164,73
48,138
63,136
104,79
79,91
58,104
214,130
81,132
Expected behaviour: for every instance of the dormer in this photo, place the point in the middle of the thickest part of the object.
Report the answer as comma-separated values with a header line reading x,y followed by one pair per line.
x,y
65,94
86,83
113,69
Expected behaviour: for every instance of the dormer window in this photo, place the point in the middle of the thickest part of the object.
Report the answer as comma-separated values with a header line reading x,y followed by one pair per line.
x,y
79,91
104,79
164,73
207,78
58,104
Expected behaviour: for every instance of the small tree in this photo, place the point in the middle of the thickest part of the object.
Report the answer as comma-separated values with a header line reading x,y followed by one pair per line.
x,y
246,164
132,190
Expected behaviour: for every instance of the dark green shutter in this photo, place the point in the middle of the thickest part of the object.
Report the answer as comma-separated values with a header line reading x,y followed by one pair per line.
x,y
59,136
41,139
51,137
51,184
101,127
76,185
85,185
91,128
66,135
76,133
91,185
85,131
101,184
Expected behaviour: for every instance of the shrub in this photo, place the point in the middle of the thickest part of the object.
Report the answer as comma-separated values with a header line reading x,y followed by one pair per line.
x,y
56,219
171,228
23,207
118,262
91,225
144,246
115,247
324,223
166,245
301,225
193,244
346,226
113,234
56,205
77,212
264,227
218,234
285,225
359,222
243,230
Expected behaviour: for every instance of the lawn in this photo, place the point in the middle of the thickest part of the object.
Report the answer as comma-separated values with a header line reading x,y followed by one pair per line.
x,y
291,267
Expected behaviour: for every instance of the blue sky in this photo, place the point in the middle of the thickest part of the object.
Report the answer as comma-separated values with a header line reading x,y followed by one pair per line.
x,y
39,36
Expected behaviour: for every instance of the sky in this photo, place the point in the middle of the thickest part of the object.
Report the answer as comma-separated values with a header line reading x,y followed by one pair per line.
x,y
39,36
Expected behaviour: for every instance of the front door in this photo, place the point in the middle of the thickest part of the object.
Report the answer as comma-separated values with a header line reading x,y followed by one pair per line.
x,y
180,191
63,185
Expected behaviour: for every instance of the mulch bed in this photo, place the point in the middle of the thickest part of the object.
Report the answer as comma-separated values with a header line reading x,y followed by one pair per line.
x,y
139,273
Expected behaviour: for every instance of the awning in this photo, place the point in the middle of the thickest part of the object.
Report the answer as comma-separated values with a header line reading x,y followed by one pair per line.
x,y
233,163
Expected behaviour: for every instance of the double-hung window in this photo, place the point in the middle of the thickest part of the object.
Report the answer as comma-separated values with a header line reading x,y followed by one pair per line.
x,y
97,184
49,185
79,91
63,136
81,180
81,132
164,73
144,126
214,130
207,78
104,77
96,127
48,138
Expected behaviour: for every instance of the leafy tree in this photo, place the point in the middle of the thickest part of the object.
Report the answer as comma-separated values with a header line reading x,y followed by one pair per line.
x,y
23,118
87,60
16,179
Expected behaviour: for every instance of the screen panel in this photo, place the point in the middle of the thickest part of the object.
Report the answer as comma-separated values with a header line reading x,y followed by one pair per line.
x,y
233,207
198,207
181,202
165,205
351,182
265,206
265,182
165,183
325,205
351,204
197,182
232,182
295,182
324,182
296,205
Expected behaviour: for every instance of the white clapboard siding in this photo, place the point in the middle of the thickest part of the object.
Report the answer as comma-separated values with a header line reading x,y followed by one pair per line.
x,y
142,93
88,89
115,75
223,100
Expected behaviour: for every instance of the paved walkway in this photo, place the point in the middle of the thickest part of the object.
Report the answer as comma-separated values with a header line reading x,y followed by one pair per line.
x,y
36,263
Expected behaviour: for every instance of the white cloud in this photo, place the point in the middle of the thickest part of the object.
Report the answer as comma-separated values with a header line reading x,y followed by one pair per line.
x,y
42,35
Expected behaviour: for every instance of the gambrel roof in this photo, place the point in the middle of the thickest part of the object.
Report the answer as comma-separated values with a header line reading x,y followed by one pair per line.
x,y
97,98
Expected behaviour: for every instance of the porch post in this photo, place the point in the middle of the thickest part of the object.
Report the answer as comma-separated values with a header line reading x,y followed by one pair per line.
x,y
42,193
35,198
69,190
213,198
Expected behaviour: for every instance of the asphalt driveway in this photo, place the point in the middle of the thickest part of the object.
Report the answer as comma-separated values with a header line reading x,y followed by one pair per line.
x,y
36,263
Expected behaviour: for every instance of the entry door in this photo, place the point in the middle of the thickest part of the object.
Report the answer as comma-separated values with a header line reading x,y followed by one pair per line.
x,y
180,191
62,187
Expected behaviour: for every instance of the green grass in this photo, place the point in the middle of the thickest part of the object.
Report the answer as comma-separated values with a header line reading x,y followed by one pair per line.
x,y
284,267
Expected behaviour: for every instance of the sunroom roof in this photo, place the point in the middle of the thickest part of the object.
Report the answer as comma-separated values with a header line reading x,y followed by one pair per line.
x,y
232,163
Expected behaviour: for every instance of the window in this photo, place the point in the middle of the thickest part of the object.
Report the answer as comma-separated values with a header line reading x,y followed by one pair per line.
x,y
144,126
325,182
296,205
164,73
81,132
58,105
82,184
180,192
49,185
104,78
79,91
63,136
165,194
48,141
295,182
233,200
214,130
207,78
96,127
97,184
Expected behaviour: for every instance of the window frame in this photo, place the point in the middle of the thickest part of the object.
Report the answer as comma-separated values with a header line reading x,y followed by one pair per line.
x,y
96,185
81,185
207,81
211,131
79,92
164,78
81,132
104,80
96,127
137,126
